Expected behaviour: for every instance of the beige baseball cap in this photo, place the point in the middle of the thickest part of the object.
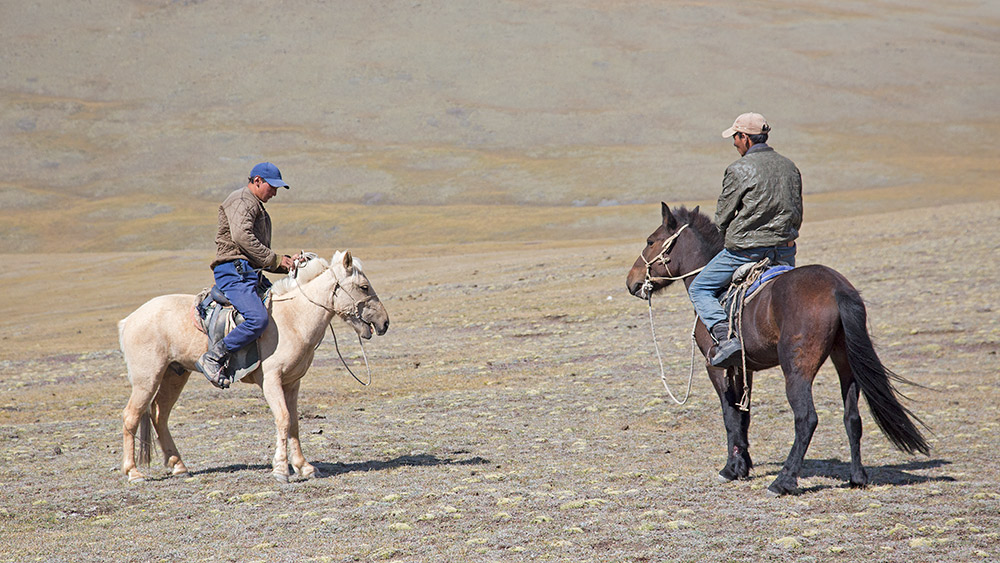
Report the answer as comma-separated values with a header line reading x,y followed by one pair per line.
x,y
749,123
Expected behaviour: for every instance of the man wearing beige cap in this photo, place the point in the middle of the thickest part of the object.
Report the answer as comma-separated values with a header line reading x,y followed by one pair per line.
x,y
759,212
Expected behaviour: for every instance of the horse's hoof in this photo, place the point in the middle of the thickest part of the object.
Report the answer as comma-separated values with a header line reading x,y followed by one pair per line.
x,y
775,492
139,479
723,479
280,477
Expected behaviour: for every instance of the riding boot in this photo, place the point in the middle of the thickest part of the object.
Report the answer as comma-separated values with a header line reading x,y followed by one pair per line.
x,y
213,365
726,352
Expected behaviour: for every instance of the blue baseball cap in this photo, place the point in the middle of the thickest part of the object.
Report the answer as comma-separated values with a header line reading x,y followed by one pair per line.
x,y
269,173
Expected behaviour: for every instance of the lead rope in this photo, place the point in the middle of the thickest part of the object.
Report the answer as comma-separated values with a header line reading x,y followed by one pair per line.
x,y
659,358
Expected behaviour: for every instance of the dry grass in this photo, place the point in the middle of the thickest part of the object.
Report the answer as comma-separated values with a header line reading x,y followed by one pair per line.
x,y
516,415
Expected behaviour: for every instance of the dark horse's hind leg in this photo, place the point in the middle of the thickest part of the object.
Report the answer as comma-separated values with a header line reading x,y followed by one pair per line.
x,y
852,418
730,391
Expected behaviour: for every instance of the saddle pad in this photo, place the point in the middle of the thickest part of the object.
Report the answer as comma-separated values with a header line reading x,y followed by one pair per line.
x,y
727,298
769,274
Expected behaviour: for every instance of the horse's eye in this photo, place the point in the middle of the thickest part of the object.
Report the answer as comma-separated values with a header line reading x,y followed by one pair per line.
x,y
649,242
365,287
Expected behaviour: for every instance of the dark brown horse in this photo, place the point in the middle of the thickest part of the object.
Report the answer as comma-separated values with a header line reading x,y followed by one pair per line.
x,y
796,321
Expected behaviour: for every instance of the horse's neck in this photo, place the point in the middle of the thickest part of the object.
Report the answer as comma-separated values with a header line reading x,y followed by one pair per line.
x,y
311,310
694,263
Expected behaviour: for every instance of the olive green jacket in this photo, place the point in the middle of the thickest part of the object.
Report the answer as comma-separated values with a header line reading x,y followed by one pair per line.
x,y
245,232
761,200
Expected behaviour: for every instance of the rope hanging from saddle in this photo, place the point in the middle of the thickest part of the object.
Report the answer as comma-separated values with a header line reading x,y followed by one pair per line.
x,y
744,278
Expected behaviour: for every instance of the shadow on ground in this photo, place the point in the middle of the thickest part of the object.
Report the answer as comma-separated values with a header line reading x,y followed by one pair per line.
x,y
422,460
837,469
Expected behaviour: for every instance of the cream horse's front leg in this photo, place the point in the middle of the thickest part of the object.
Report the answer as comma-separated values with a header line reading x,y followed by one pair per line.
x,y
274,394
299,463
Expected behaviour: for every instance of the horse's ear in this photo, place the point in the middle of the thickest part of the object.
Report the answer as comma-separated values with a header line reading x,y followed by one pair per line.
x,y
348,260
669,220
695,210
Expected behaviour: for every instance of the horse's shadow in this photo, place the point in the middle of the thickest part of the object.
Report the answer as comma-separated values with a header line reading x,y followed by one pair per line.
x,y
895,474
333,469
420,460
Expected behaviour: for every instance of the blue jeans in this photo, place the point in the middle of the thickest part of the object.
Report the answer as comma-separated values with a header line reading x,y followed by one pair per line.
x,y
238,281
709,285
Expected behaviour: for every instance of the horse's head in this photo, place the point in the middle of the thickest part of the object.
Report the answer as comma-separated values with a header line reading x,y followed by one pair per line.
x,y
673,251
354,300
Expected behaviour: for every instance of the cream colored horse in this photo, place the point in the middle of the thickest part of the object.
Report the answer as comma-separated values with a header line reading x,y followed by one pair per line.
x,y
160,343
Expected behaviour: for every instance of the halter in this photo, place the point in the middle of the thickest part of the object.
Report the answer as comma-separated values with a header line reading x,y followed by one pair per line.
x,y
647,290
356,313
293,273
663,258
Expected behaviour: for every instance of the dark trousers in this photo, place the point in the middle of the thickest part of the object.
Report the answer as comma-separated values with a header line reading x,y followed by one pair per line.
x,y
238,281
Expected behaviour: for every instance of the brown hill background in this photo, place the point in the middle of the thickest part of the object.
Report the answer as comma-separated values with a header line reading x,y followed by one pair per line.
x,y
122,124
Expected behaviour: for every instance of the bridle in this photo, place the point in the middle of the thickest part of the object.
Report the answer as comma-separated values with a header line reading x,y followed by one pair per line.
x,y
356,313
358,303
647,290
663,257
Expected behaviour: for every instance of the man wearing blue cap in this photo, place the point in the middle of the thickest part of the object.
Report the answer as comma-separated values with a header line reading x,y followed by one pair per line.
x,y
243,249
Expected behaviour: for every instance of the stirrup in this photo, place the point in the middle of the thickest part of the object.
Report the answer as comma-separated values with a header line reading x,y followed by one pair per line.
x,y
219,378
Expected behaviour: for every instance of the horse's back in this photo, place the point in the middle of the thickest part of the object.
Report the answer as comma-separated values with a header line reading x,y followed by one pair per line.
x,y
162,307
162,328
809,282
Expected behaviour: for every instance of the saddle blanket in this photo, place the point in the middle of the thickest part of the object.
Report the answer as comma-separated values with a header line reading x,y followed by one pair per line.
x,y
768,275
735,289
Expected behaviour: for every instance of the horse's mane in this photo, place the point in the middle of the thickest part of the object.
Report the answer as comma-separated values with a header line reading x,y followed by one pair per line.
x,y
702,224
309,270
306,272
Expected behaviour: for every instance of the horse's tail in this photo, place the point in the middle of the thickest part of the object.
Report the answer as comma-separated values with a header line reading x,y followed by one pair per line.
x,y
121,343
145,438
875,380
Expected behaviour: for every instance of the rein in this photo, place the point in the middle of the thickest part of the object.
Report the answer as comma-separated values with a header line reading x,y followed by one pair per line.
x,y
307,256
647,289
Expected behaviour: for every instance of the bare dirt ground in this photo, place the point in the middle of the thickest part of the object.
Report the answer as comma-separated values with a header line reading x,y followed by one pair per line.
x,y
517,414
497,166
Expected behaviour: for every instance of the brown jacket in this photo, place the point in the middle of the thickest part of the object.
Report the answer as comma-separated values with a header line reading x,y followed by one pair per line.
x,y
245,232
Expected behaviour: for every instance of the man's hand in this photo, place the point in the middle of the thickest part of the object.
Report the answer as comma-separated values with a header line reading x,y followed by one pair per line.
x,y
287,262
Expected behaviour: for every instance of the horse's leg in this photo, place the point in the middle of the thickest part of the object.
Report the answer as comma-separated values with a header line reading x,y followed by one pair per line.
x,y
798,389
170,389
298,461
145,374
852,418
132,415
275,396
737,422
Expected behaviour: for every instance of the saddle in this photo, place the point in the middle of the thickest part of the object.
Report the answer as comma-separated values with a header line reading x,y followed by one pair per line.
x,y
748,280
216,317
